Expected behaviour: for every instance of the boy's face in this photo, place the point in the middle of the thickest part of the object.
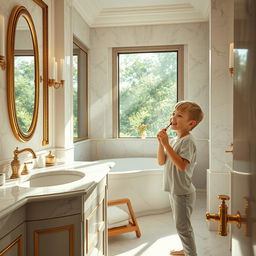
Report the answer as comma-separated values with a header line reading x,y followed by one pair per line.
x,y
181,121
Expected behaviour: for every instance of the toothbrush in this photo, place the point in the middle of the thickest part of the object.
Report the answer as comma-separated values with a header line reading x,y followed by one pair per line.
x,y
166,128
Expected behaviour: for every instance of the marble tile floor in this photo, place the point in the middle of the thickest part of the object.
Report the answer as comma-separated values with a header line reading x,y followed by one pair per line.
x,y
159,236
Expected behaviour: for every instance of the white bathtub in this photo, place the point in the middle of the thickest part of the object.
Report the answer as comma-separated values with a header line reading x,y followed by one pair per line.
x,y
140,180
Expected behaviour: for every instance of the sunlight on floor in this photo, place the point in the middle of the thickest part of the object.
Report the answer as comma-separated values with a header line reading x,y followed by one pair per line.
x,y
162,245
158,236
134,251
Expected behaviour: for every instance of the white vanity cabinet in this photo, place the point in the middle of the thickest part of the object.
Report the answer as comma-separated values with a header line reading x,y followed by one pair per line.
x,y
94,221
13,234
58,223
54,227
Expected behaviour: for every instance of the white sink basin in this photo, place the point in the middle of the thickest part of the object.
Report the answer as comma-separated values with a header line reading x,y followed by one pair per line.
x,y
52,178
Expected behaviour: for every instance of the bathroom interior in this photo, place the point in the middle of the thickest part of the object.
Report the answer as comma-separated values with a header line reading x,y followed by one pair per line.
x,y
59,204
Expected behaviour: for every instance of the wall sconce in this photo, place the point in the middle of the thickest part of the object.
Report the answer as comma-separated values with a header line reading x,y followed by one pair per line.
x,y
2,43
231,59
54,74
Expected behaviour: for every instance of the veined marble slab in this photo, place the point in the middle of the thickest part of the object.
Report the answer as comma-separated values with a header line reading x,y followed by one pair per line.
x,y
13,195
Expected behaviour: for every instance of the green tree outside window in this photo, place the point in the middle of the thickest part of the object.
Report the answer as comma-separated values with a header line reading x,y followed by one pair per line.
x,y
147,91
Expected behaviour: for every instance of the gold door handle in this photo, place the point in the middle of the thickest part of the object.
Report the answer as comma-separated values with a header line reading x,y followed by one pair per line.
x,y
230,151
224,218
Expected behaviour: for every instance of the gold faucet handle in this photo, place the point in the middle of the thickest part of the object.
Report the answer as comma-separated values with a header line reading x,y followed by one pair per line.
x,y
223,197
25,168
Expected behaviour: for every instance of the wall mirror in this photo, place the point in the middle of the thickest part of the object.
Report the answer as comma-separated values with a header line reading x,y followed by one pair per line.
x,y
27,69
22,74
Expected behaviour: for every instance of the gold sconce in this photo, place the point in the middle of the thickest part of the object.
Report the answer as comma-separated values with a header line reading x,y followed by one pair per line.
x,y
231,59
56,85
56,73
2,44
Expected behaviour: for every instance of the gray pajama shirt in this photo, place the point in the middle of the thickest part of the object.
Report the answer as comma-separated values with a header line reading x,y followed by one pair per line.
x,y
182,191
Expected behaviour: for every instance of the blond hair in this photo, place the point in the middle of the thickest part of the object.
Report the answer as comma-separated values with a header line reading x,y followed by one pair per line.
x,y
194,110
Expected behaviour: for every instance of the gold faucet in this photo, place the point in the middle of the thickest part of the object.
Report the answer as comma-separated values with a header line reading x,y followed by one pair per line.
x,y
223,218
15,164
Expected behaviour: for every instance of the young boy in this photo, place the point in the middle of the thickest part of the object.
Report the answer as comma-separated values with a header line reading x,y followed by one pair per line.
x,y
179,158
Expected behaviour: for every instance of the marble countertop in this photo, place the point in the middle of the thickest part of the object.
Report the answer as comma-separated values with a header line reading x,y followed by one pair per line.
x,y
14,194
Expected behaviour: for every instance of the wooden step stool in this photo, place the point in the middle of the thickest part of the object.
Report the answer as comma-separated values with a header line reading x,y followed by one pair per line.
x,y
132,222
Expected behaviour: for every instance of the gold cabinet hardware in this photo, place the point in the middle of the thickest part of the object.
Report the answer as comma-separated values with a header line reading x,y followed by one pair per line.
x,y
224,218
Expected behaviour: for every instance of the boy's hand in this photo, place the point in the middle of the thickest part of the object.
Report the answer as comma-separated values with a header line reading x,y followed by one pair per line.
x,y
163,137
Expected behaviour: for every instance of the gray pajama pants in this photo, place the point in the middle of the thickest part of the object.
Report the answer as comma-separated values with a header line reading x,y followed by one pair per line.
x,y
182,206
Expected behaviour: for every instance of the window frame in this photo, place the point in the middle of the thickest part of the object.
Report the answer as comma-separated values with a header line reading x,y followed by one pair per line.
x,y
79,44
115,75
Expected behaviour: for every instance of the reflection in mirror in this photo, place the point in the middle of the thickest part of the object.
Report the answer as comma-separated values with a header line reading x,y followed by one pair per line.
x,y
241,58
24,75
80,89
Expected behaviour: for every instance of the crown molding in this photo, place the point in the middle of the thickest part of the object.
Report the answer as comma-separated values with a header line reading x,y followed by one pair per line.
x,y
87,9
95,16
149,15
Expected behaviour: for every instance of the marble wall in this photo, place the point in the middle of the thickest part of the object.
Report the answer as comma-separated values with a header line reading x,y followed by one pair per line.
x,y
221,85
221,104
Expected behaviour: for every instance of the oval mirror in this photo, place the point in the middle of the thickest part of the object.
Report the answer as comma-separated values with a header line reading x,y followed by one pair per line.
x,y
22,74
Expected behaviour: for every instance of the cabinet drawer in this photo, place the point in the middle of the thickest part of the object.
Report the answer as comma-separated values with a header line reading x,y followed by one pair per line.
x,y
96,196
95,230
52,208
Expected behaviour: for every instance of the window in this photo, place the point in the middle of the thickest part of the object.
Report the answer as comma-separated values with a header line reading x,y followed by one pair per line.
x,y
147,83
80,91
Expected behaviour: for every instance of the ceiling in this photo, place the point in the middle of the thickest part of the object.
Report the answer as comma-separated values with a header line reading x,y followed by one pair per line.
x,y
109,13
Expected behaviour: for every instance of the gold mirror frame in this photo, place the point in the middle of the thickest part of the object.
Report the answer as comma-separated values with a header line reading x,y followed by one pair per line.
x,y
17,12
44,7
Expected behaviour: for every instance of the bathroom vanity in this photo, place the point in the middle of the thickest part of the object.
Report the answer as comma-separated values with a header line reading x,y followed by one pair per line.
x,y
67,219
